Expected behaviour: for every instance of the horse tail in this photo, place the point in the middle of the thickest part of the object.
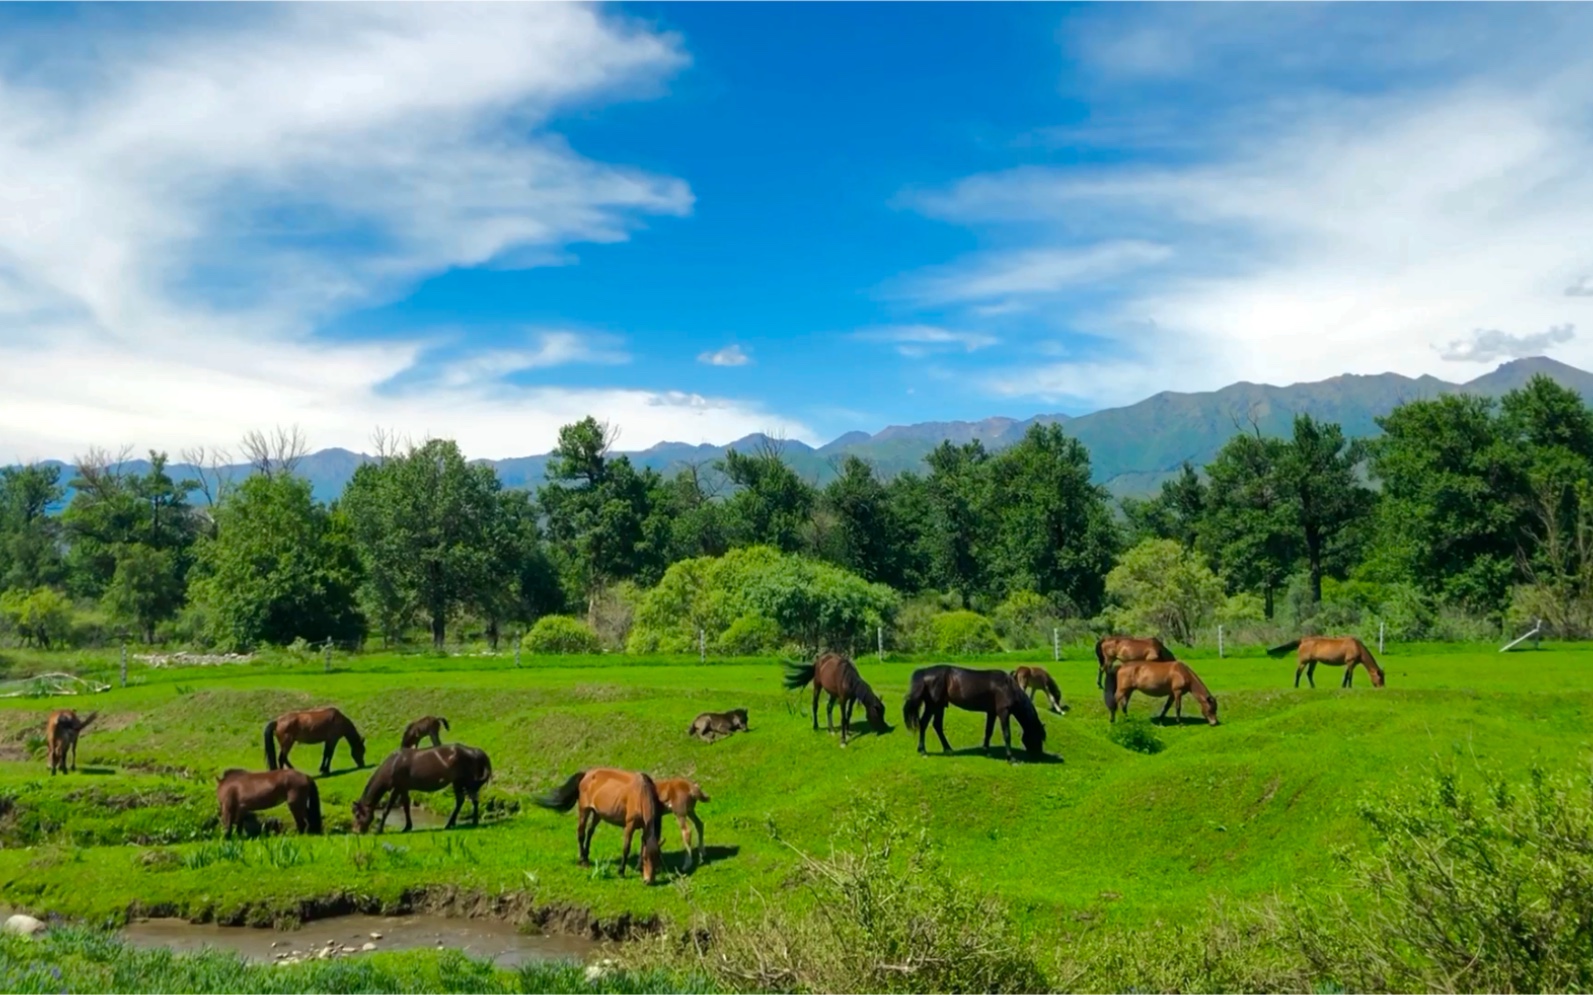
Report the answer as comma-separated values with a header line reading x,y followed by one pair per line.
x,y
1278,651
84,723
696,792
445,724
1109,688
564,797
797,675
914,703
312,814
271,744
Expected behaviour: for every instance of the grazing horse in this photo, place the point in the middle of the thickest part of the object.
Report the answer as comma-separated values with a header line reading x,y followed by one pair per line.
x,y
314,725
464,768
628,799
420,729
1170,679
1335,651
1032,679
993,692
681,796
1128,649
710,726
239,791
60,733
836,674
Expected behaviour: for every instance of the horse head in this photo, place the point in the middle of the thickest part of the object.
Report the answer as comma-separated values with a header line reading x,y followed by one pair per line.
x,y
363,814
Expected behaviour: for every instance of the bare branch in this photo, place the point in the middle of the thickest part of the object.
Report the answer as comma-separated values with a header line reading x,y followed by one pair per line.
x,y
276,454
214,470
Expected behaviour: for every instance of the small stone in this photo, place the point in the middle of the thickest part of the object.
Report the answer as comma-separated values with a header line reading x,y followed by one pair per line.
x,y
21,925
376,936
368,946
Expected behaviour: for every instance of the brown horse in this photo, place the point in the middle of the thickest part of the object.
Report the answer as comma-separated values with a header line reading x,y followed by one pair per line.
x,y
1128,649
464,768
420,729
837,674
1032,679
628,799
1335,651
1170,679
710,726
313,725
239,791
993,692
681,796
60,734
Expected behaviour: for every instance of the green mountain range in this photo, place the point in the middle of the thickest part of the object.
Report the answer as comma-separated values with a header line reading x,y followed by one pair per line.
x,y
1133,448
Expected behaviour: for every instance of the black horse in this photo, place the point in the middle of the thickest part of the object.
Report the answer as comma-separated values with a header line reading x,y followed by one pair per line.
x,y
993,692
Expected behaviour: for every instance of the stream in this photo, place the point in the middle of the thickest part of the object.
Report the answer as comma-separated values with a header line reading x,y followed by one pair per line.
x,y
487,939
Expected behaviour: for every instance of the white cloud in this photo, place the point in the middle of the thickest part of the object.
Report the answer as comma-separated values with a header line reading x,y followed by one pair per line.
x,y
182,212
1003,276
549,349
1346,235
730,355
921,340
1489,344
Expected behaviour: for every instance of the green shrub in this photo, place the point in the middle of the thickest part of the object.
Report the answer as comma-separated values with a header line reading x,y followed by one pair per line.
x,y
750,635
42,616
963,632
555,634
1135,734
1025,620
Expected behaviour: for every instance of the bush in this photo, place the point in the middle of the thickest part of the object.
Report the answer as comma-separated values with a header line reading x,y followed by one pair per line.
x,y
41,616
1135,734
1164,588
963,632
749,635
1025,620
556,634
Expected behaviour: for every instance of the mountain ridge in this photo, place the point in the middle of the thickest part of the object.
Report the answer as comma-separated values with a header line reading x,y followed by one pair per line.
x,y
1132,448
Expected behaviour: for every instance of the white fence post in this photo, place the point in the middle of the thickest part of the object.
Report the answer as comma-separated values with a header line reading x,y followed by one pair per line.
x,y
702,645
124,665
1220,653
1379,637
881,630
1056,644
327,658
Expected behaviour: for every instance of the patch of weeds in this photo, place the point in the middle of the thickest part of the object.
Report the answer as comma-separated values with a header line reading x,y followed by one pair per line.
x,y
1136,734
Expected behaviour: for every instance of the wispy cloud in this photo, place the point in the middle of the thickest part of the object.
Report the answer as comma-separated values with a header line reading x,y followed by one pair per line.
x,y
1003,277
1321,227
181,215
1581,288
730,355
548,350
1487,345
921,340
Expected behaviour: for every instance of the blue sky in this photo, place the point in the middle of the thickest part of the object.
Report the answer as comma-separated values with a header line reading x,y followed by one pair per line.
x,y
702,220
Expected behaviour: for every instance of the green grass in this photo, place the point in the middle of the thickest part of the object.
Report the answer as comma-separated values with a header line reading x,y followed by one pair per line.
x,y
1112,835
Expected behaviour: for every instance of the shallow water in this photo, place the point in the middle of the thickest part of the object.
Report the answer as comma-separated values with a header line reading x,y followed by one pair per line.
x,y
488,939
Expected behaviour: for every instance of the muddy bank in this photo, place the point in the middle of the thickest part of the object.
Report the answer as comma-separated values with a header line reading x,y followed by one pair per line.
x,y
354,935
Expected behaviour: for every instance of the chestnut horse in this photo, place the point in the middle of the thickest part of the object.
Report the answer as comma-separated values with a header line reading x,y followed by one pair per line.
x,y
239,791
1170,679
420,729
313,725
1032,679
837,674
993,692
710,726
628,799
681,796
1335,651
463,768
60,734
1128,649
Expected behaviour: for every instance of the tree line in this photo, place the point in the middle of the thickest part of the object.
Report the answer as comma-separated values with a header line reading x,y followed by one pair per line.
x,y
1462,505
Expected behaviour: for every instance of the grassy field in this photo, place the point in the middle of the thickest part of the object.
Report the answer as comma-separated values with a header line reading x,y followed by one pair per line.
x,y
1109,835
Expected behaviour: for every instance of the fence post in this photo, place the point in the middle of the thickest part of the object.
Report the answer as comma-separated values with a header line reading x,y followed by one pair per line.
x,y
1379,637
124,665
1056,644
517,638
327,657
702,644
1537,629
881,630
1220,653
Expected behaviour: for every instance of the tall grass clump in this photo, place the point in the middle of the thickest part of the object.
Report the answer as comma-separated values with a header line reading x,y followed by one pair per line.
x,y
880,913
1135,734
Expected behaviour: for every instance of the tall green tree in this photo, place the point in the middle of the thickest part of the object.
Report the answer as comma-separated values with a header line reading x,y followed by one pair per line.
x,y
959,531
1317,470
867,537
1054,532
425,525
771,505
1250,531
30,537
281,567
113,508
1175,512
525,584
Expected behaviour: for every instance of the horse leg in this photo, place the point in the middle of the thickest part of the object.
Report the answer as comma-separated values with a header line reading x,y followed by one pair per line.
x,y
702,854
829,714
1167,707
296,809
408,825
583,839
1310,673
392,797
940,729
1349,673
436,740
685,837
1006,734
846,719
459,803
625,854
1178,702
923,727
990,727
74,753
326,757
475,805
284,745
816,692
1297,672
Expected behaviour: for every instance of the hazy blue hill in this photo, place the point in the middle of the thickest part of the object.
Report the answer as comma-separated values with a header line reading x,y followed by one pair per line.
x,y
1133,448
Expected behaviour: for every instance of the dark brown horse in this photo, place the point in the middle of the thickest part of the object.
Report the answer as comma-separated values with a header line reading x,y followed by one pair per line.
x,y
1032,679
993,692
421,728
628,799
1170,679
464,768
313,725
239,791
710,726
1335,651
681,796
1128,649
836,674
60,735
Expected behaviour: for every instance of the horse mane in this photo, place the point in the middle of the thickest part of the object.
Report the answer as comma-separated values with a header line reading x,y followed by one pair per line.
x,y
230,772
